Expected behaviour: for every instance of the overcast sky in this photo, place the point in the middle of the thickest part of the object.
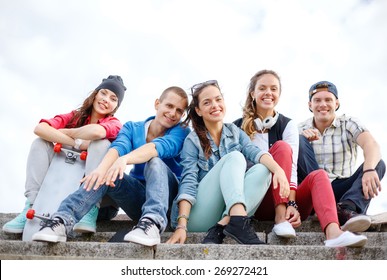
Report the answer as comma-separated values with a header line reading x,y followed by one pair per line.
x,y
54,53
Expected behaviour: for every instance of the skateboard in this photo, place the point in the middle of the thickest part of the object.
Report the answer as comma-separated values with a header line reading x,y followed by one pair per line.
x,y
66,170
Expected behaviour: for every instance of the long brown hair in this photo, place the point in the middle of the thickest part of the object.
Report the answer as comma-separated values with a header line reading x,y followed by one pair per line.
x,y
82,113
249,111
197,121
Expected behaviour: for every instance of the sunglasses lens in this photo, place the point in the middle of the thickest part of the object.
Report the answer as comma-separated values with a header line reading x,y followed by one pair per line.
x,y
200,85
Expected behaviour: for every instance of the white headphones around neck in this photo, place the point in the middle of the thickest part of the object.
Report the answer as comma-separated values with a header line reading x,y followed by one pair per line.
x,y
267,122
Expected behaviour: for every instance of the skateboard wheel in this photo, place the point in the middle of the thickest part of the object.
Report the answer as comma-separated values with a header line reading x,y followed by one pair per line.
x,y
57,148
30,214
83,155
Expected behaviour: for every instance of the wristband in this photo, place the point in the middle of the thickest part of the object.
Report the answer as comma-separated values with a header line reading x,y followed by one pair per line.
x,y
182,227
78,143
292,203
368,170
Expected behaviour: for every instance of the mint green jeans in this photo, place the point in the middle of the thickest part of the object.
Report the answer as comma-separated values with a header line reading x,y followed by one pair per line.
x,y
225,185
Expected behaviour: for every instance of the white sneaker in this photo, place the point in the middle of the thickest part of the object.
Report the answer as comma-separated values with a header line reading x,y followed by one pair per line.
x,y
347,239
145,232
52,231
358,223
285,230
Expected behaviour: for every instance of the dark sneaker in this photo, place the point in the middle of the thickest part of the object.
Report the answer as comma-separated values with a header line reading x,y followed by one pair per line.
x,y
145,233
51,231
351,221
240,229
214,235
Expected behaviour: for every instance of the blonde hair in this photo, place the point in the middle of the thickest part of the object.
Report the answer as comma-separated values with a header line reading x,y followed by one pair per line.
x,y
249,111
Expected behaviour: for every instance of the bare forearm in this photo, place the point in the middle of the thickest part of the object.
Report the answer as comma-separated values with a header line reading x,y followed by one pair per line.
x,y
142,154
270,163
184,210
48,133
86,132
372,155
108,160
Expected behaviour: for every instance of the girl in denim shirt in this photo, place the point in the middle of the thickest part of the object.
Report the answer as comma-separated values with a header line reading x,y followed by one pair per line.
x,y
216,193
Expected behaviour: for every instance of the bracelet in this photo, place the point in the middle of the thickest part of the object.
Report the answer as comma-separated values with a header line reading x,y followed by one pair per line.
x,y
292,203
182,217
368,170
182,227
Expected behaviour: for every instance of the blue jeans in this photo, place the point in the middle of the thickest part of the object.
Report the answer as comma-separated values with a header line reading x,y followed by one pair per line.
x,y
150,198
347,189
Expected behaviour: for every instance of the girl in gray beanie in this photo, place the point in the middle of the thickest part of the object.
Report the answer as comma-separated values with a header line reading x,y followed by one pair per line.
x,y
90,127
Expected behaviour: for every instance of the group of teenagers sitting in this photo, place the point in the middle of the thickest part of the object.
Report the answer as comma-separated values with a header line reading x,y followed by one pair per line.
x,y
195,173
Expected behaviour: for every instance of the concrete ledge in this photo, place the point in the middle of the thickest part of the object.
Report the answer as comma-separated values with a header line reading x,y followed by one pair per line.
x,y
95,250
309,245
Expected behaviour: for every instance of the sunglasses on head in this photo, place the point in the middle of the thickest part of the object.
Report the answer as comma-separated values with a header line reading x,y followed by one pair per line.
x,y
201,85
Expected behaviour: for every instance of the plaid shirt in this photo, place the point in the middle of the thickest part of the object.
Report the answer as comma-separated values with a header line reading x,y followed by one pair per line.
x,y
336,150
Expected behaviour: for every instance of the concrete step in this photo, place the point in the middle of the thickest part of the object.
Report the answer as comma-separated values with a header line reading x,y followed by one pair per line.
x,y
309,244
98,250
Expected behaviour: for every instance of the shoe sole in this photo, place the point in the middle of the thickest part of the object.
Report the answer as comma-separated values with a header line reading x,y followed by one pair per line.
x,y
10,230
360,243
211,243
48,238
84,229
285,235
379,218
142,241
357,224
240,242
357,244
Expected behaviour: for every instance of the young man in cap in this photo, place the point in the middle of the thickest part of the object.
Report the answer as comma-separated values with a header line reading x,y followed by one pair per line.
x,y
330,142
145,194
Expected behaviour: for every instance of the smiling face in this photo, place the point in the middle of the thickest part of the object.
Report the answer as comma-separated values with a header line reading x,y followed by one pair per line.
x,y
105,102
170,109
266,94
211,106
323,105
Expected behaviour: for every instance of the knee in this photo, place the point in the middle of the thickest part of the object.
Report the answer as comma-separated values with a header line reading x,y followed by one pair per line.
x,y
98,146
40,143
381,168
237,158
154,164
282,147
319,177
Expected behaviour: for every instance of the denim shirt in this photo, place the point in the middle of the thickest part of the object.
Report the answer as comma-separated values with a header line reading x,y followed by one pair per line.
x,y
196,166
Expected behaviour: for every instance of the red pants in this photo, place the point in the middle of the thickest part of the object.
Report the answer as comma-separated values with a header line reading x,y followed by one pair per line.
x,y
315,192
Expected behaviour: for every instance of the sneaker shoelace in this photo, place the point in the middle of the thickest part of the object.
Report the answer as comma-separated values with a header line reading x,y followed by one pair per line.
x,y
50,223
144,224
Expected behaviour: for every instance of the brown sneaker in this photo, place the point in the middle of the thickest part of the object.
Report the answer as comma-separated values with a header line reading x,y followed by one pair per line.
x,y
352,221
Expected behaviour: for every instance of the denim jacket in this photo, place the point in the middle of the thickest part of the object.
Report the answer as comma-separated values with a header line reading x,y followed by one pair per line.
x,y
196,166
